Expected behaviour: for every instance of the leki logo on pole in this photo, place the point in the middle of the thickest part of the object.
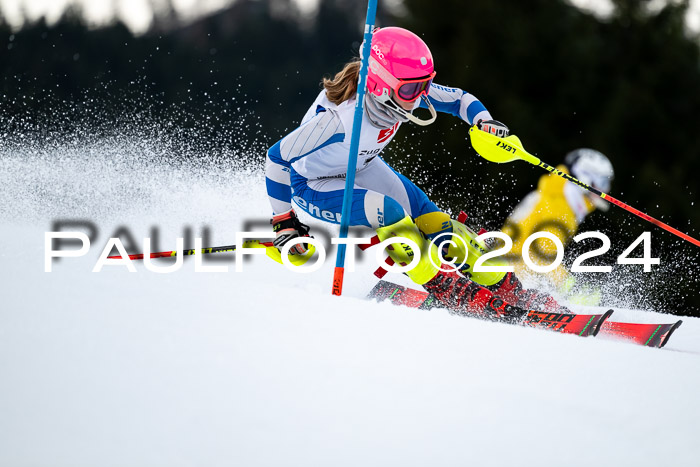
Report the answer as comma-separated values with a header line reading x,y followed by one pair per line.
x,y
505,146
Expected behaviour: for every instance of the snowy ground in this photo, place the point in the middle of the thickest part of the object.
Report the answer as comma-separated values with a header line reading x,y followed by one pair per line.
x,y
264,367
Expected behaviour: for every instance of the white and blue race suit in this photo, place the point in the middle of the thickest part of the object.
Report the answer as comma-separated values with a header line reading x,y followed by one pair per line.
x,y
309,165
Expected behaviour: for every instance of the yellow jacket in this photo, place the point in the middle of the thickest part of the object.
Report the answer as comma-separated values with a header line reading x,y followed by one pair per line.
x,y
553,208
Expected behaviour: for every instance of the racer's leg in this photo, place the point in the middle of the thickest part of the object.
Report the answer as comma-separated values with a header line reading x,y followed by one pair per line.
x,y
323,199
433,223
379,177
459,293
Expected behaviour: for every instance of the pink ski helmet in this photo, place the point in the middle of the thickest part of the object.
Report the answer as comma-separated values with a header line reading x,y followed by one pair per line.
x,y
400,69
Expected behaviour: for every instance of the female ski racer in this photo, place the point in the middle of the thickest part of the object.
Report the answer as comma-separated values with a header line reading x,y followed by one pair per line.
x,y
308,166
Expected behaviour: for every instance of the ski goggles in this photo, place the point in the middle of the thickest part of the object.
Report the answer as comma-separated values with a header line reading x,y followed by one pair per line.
x,y
407,90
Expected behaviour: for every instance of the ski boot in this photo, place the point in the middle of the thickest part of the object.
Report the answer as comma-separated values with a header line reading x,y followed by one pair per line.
x,y
457,243
403,255
465,250
454,291
511,289
465,297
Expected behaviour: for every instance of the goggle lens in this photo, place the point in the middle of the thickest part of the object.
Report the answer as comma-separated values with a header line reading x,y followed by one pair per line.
x,y
411,91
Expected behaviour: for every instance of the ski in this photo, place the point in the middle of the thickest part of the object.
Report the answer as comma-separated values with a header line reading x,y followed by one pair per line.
x,y
566,323
650,335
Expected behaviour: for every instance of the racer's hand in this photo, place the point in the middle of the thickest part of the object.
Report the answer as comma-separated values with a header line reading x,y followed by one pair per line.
x,y
494,127
288,227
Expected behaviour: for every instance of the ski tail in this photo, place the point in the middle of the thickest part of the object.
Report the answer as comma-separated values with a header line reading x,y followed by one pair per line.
x,y
650,335
604,319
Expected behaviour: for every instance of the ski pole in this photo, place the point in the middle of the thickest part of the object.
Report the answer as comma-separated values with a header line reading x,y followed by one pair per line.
x,y
502,150
339,271
168,254
270,250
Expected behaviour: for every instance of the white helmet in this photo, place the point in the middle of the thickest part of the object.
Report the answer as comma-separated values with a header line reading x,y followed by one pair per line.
x,y
594,169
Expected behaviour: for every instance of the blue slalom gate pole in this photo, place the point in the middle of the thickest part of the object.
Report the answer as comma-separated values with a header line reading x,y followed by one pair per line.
x,y
354,147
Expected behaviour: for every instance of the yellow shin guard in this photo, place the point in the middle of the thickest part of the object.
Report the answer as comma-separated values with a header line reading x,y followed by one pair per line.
x,y
471,250
435,224
403,254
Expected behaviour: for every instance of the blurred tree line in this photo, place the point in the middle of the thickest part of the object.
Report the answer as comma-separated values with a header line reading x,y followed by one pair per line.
x,y
561,78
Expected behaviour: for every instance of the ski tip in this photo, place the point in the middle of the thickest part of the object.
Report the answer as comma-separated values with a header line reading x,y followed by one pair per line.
x,y
670,331
596,329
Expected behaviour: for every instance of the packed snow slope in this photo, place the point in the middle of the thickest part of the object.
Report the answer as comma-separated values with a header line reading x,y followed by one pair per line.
x,y
265,368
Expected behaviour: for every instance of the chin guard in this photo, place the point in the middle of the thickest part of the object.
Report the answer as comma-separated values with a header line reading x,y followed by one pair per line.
x,y
388,102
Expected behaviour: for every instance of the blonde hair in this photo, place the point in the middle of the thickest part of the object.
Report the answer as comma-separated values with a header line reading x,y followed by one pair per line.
x,y
344,84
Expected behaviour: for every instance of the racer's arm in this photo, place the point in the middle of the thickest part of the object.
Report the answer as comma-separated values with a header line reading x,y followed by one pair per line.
x,y
457,102
319,131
